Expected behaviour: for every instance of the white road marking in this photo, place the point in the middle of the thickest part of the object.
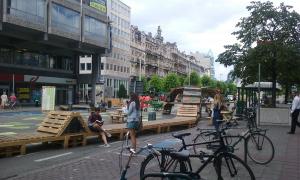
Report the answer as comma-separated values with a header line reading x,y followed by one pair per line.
x,y
52,157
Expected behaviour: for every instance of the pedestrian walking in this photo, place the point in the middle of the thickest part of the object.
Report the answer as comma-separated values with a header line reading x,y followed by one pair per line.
x,y
295,109
133,118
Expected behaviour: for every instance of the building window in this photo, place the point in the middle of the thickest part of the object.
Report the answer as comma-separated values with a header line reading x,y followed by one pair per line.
x,y
29,9
94,28
111,67
82,66
88,66
107,66
65,18
101,66
115,68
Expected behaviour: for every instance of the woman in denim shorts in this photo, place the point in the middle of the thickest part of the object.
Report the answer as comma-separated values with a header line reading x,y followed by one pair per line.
x,y
133,118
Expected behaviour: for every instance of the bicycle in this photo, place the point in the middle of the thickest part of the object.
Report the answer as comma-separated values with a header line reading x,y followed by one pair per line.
x,y
167,176
225,164
257,146
148,147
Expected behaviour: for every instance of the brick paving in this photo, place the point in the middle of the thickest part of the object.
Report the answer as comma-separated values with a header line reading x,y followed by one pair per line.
x,y
105,163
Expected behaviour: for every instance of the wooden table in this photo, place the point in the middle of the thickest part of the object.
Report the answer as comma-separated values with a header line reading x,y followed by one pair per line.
x,y
118,116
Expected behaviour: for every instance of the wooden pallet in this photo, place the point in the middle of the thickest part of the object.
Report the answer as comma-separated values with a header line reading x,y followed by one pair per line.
x,y
187,110
56,122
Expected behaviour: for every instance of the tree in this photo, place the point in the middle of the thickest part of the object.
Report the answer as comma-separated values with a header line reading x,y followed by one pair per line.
x,y
122,93
263,37
193,79
205,81
155,83
171,80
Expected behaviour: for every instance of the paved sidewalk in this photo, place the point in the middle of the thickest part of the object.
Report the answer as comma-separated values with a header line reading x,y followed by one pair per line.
x,y
105,163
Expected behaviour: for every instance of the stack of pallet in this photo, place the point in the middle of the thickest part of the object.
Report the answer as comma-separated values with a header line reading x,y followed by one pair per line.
x,y
187,110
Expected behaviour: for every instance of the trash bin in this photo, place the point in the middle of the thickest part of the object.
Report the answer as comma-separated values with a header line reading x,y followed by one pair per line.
x,y
109,104
151,116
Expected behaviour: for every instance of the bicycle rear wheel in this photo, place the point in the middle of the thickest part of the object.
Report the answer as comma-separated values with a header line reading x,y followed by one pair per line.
x,y
260,148
163,163
228,166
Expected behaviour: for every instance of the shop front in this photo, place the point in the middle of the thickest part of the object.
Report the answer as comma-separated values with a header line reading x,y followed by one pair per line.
x,y
28,88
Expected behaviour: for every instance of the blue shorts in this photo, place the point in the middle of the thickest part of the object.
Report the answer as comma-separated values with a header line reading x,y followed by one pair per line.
x,y
133,125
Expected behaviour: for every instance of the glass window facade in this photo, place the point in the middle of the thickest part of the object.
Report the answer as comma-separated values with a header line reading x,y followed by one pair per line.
x,y
26,58
65,18
94,28
33,10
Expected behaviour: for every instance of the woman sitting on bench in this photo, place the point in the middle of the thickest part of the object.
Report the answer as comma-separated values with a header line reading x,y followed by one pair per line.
x,y
95,123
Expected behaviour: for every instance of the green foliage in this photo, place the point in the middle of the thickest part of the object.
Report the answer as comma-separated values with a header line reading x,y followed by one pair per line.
x,y
269,36
205,81
145,83
155,83
122,93
193,79
181,80
171,80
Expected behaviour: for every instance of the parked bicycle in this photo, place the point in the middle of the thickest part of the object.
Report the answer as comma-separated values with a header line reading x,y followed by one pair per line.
x,y
126,146
219,164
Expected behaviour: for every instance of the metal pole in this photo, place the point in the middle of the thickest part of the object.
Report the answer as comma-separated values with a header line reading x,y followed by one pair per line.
x,y
13,87
189,74
258,110
140,78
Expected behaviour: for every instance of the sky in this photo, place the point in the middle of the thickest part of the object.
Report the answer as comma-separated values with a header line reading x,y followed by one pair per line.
x,y
195,25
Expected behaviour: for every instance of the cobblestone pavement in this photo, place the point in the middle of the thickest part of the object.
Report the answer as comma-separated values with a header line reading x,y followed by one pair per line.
x,y
105,163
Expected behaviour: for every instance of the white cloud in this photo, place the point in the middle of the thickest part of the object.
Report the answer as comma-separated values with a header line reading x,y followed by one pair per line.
x,y
195,25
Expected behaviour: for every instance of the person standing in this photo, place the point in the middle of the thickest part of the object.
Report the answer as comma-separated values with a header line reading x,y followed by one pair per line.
x,y
216,110
295,112
133,118
13,100
4,100
95,123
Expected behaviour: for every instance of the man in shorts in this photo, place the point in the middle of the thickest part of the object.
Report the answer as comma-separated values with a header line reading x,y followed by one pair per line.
x,y
95,123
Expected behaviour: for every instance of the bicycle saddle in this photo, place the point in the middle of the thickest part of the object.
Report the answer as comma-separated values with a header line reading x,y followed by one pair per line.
x,y
180,136
182,155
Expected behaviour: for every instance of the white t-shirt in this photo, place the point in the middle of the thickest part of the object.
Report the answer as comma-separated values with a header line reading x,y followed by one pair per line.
x,y
4,98
296,103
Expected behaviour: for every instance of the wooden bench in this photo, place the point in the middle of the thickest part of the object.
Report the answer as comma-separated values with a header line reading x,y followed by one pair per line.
x,y
54,128
117,118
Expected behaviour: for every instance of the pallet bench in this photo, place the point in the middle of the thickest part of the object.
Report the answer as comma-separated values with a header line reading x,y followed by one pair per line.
x,y
56,128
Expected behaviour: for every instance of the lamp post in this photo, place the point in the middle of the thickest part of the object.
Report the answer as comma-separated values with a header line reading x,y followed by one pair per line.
x,y
140,76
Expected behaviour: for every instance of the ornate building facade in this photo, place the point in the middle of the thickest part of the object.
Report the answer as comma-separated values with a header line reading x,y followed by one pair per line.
x,y
150,56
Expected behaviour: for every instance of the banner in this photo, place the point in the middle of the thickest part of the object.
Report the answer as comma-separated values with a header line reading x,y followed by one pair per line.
x,y
99,4
48,98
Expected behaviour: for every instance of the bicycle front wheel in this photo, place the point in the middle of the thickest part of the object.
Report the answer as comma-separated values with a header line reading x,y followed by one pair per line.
x,y
260,148
228,166
163,163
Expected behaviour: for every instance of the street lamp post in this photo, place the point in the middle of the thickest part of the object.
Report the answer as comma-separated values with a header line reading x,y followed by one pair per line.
x,y
140,76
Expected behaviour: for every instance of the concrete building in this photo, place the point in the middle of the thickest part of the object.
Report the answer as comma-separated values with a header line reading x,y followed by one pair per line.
x,y
206,61
40,44
115,66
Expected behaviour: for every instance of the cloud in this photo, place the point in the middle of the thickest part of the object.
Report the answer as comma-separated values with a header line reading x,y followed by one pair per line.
x,y
195,25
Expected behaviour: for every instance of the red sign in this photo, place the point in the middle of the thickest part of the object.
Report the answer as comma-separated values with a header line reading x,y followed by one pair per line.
x,y
9,77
